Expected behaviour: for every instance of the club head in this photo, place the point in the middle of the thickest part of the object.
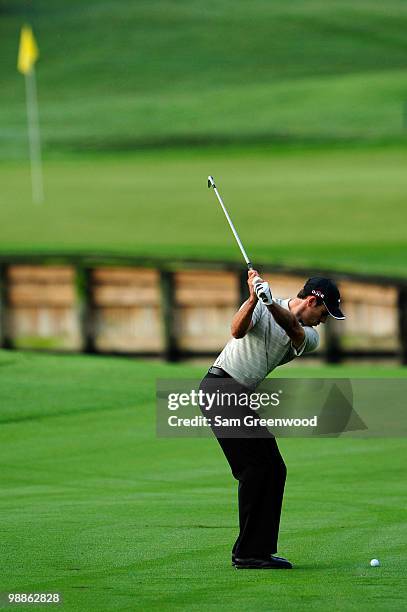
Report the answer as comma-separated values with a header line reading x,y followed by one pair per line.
x,y
211,182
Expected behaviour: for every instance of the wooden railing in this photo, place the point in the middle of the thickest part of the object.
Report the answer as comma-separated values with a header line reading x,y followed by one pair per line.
x,y
177,309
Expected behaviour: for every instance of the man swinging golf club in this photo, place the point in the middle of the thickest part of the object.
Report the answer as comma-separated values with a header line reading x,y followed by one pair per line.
x,y
266,332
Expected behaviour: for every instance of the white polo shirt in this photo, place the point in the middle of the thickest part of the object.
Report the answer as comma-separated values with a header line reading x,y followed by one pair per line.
x,y
265,346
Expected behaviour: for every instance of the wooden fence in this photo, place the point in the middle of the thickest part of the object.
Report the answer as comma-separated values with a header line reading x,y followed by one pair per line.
x,y
177,309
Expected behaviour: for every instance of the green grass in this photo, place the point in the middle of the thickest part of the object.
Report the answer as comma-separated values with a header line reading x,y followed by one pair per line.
x,y
95,506
327,209
116,75
298,109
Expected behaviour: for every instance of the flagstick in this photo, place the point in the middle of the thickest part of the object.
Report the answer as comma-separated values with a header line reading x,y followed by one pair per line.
x,y
34,137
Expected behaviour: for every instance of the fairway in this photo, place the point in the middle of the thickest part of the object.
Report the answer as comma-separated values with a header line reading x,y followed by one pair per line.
x,y
328,209
95,506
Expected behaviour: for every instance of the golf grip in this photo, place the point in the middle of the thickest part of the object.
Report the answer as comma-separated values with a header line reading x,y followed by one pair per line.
x,y
261,296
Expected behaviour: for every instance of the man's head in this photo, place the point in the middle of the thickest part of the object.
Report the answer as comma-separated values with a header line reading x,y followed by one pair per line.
x,y
321,298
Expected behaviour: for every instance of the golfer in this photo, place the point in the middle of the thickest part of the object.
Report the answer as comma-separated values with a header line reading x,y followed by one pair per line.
x,y
267,332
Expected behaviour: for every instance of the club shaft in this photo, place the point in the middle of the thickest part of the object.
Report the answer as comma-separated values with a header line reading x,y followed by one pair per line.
x,y
232,227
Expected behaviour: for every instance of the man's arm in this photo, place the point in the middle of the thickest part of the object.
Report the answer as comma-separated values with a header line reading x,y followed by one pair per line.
x,y
289,323
285,318
242,321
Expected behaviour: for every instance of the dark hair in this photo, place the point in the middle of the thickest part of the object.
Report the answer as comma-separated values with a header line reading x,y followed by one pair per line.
x,y
303,294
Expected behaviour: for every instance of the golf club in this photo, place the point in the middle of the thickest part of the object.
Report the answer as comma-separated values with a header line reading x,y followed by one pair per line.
x,y
211,183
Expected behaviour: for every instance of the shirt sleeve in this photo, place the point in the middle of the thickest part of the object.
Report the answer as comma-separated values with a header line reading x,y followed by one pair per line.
x,y
257,312
311,341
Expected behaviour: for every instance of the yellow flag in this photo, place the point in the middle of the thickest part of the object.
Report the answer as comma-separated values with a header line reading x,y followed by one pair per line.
x,y
28,50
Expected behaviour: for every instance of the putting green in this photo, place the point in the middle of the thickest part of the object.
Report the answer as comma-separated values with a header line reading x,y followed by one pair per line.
x,y
168,75
180,72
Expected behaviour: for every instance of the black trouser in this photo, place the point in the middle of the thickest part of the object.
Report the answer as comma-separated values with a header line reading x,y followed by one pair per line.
x,y
256,463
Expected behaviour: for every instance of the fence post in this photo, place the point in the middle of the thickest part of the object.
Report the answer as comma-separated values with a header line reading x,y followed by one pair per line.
x,y
5,336
86,308
243,288
402,320
333,351
167,286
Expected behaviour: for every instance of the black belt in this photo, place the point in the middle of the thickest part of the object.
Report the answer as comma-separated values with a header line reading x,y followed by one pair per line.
x,y
219,372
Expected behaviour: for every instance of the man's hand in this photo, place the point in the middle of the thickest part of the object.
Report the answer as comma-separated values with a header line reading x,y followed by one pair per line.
x,y
242,321
262,290
251,275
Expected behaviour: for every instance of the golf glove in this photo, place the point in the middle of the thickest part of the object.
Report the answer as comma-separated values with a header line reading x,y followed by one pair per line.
x,y
263,292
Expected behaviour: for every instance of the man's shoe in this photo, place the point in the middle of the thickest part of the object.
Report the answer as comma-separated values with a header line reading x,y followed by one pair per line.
x,y
272,562
272,556
234,559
